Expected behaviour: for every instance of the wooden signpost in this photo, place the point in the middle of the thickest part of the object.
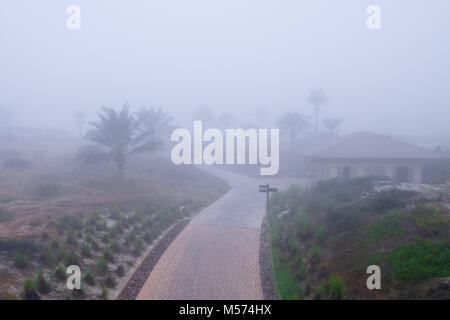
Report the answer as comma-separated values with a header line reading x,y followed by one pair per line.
x,y
267,189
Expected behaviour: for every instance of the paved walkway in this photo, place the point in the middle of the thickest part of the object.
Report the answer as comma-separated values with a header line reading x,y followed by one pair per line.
x,y
217,255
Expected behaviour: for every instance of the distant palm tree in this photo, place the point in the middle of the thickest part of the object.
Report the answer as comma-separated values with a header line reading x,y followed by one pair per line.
x,y
157,123
332,125
116,136
292,123
317,98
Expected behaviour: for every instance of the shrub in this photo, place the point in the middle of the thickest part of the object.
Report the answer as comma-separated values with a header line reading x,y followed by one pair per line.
x,y
387,228
431,218
42,284
102,266
29,290
20,261
60,273
303,223
420,260
336,288
388,200
315,254
18,245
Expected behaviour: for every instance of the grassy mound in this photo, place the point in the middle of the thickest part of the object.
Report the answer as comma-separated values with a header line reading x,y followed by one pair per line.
x,y
323,239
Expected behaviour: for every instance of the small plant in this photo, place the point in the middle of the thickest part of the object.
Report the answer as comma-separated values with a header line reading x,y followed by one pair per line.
x,y
72,259
320,234
102,266
115,247
321,290
8,297
59,273
108,255
105,293
89,277
115,213
120,271
71,239
86,250
54,244
110,282
137,248
29,290
147,237
315,254
20,261
79,293
336,288
303,223
60,255
95,246
47,256
293,244
42,284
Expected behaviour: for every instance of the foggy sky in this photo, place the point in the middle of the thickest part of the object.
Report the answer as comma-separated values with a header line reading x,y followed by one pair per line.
x,y
239,55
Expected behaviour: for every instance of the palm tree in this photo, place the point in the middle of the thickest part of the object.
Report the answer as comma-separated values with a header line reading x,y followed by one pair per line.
x,y
116,136
292,123
157,123
317,98
332,125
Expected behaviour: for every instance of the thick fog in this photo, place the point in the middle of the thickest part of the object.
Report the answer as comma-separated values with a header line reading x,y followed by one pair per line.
x,y
242,56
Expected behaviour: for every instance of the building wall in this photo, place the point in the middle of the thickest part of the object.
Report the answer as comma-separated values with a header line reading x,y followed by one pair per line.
x,y
331,170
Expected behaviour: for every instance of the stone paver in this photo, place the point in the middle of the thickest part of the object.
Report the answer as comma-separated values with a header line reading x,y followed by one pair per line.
x,y
217,255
